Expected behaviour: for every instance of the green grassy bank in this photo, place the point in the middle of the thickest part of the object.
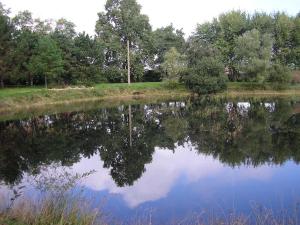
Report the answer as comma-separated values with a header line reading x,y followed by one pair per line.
x,y
18,100
15,99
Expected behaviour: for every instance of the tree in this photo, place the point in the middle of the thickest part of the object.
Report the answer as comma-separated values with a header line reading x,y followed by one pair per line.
x,y
253,53
64,34
173,64
262,22
279,74
206,70
294,57
232,24
25,41
89,59
166,38
210,32
23,21
47,60
282,32
43,27
123,30
6,30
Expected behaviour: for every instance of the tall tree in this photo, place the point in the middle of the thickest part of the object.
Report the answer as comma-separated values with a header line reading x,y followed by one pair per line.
x,y
64,34
89,59
166,38
173,64
205,68
123,30
47,60
233,24
294,57
253,53
282,32
6,30
25,42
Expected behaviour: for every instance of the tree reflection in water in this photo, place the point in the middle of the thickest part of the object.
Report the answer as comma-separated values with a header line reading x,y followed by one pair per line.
x,y
249,132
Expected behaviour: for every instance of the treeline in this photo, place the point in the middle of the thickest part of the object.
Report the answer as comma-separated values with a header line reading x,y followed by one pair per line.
x,y
235,46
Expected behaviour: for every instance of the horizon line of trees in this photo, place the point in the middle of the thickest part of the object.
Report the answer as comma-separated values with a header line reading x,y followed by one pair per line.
x,y
236,46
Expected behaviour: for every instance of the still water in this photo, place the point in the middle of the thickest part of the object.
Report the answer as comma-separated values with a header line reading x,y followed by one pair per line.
x,y
170,161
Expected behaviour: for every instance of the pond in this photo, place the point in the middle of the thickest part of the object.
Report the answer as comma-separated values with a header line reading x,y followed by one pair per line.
x,y
169,162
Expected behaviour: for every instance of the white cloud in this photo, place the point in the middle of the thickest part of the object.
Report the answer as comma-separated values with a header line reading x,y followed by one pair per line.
x,y
164,171
160,176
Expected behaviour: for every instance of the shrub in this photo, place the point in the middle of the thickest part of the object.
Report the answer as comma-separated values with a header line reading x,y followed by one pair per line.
x,y
205,84
152,76
206,70
115,75
279,74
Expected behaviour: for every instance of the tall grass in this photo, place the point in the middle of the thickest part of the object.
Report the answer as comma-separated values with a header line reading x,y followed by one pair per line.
x,y
76,211
54,200
51,211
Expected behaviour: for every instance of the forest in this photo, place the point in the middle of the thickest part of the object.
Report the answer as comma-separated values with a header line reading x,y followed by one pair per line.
x,y
235,46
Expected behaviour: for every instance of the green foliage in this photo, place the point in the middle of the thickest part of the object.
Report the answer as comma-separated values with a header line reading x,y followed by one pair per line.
x,y
206,70
122,21
6,30
166,38
88,57
47,60
279,74
152,76
205,84
253,55
173,65
247,44
283,26
114,74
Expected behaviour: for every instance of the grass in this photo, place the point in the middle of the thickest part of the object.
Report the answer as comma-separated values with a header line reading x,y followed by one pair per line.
x,y
19,99
50,211
253,86
63,211
16,101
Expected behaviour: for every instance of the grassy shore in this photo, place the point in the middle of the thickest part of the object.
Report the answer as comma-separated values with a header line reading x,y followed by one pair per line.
x,y
32,99
14,99
72,212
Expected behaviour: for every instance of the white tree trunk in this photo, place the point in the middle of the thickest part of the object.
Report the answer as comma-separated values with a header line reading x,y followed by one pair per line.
x,y
128,61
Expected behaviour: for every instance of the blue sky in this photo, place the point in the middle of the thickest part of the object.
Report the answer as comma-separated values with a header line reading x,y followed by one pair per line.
x,y
183,14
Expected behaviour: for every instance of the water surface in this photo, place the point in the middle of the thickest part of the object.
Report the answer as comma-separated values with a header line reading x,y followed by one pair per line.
x,y
165,162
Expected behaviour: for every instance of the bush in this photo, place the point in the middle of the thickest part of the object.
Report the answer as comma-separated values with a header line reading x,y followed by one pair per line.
x,y
279,74
206,69
205,84
115,75
152,76
171,84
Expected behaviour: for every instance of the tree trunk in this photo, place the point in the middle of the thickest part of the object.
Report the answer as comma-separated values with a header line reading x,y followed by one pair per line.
x,y
2,82
31,81
128,61
46,85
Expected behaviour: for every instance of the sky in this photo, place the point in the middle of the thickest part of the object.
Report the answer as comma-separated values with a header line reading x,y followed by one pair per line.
x,y
183,14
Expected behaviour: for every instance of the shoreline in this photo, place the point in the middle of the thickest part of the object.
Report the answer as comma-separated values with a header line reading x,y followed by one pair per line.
x,y
37,101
